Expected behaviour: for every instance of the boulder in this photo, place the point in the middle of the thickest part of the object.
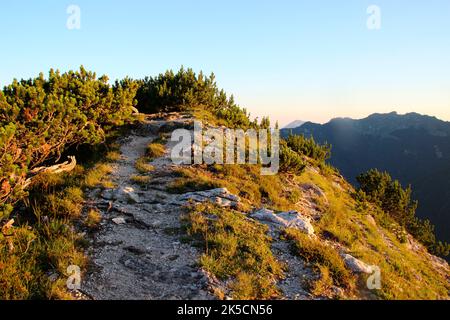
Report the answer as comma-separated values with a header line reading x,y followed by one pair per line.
x,y
123,194
127,194
119,220
220,196
313,189
289,219
356,265
371,220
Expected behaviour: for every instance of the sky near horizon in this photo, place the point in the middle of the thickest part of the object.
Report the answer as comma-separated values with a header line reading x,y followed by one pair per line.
x,y
310,60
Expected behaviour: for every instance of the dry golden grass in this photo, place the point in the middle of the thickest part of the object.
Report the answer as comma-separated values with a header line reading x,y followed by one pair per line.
x,y
141,180
93,218
143,165
236,249
155,150
97,176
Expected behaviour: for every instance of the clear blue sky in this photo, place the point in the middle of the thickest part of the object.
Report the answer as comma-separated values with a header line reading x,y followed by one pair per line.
x,y
310,60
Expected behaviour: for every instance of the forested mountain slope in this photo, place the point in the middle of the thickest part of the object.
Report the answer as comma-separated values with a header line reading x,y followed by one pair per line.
x,y
413,148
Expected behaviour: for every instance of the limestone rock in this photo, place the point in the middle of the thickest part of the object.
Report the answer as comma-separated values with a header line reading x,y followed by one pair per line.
x,y
289,219
371,220
220,196
312,188
356,265
127,194
119,220
122,194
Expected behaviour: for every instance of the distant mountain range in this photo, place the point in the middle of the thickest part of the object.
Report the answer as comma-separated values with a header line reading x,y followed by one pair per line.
x,y
413,148
294,124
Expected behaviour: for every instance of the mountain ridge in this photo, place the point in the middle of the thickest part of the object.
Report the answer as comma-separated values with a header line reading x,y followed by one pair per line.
x,y
181,197
294,124
398,144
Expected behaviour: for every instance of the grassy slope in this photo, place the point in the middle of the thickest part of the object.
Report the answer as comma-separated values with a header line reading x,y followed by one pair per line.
x,y
406,274
365,231
45,238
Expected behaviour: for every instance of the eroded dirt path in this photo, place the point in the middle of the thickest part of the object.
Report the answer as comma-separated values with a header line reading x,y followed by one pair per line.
x,y
137,253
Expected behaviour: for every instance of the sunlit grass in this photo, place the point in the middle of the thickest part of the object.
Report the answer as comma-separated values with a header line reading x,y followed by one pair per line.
x,y
141,180
97,176
93,218
143,165
235,249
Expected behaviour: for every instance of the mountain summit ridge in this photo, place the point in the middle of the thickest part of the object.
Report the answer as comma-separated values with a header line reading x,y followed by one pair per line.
x,y
398,144
390,122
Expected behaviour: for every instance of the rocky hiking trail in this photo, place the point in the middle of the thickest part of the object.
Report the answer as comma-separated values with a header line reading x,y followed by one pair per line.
x,y
138,251
136,254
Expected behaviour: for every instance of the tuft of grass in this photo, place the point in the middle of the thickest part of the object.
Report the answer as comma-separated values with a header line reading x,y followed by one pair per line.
x,y
93,218
318,253
323,285
189,181
141,180
113,156
245,181
43,240
97,176
155,150
236,249
143,165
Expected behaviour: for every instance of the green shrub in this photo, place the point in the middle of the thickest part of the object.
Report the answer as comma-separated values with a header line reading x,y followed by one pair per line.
x,y
290,161
186,91
40,118
179,91
308,147
380,189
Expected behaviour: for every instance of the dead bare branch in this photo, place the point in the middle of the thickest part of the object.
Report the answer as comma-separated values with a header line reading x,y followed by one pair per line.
x,y
57,168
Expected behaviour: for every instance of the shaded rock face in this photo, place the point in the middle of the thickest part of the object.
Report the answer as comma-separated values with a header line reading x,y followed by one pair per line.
x,y
289,219
220,196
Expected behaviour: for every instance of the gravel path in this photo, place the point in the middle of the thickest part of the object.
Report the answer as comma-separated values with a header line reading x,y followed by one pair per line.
x,y
137,253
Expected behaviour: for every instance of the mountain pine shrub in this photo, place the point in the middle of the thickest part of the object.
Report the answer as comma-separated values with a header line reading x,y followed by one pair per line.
x,y
41,118
380,189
